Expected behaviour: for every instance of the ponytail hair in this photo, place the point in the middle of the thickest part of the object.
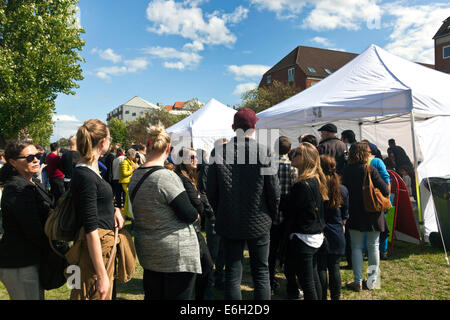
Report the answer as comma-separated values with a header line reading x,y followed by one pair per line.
x,y
328,165
12,151
89,136
158,139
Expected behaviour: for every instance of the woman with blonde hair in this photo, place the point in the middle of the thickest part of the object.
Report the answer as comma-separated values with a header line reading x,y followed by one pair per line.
x,y
127,167
93,198
306,218
165,238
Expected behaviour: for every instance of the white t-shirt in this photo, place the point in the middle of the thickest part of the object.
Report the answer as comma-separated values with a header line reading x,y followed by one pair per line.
x,y
312,240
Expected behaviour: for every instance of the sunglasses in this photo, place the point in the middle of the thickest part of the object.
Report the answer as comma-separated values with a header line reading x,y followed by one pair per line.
x,y
194,158
31,157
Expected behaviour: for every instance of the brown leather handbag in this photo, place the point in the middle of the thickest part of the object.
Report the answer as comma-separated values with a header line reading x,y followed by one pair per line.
x,y
374,200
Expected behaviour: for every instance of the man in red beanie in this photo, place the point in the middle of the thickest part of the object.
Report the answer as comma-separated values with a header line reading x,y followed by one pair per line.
x,y
245,201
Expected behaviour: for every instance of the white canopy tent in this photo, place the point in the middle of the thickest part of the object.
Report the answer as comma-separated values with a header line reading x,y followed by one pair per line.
x,y
202,128
379,96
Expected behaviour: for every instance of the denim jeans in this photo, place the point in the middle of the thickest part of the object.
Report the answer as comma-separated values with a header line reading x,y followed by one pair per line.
x,y
22,283
259,255
357,238
329,262
306,265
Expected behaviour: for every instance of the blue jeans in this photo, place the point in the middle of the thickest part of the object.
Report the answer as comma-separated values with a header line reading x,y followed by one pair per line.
x,y
357,238
259,265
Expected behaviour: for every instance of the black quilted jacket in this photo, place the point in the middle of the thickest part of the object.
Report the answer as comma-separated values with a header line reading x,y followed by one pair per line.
x,y
243,199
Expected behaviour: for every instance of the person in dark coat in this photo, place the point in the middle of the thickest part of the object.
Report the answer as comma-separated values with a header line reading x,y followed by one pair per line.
x,y
331,145
361,221
186,171
336,215
25,207
245,197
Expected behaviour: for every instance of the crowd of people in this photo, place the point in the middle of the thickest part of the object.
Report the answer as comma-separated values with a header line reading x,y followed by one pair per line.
x,y
301,218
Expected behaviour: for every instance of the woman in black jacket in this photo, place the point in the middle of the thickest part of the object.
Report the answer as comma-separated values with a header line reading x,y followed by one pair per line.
x,y
306,218
25,207
336,215
361,221
187,173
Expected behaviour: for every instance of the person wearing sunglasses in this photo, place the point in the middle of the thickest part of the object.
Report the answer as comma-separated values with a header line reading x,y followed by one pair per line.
x,y
25,207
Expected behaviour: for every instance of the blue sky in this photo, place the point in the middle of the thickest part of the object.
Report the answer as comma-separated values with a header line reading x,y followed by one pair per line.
x,y
167,51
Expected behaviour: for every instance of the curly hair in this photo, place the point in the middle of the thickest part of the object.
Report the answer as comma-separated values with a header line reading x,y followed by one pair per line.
x,y
359,153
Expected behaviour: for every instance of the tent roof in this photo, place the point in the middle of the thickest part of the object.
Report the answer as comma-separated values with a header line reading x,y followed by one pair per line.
x,y
375,83
212,120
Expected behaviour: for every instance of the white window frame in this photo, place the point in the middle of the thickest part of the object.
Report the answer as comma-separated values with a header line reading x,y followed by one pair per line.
x,y
293,74
443,53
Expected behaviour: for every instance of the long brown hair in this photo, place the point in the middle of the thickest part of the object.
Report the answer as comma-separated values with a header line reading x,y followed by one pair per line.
x,y
89,136
310,167
182,169
328,165
359,153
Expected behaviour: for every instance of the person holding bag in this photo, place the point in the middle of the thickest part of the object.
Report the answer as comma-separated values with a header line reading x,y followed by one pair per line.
x,y
305,216
363,217
93,198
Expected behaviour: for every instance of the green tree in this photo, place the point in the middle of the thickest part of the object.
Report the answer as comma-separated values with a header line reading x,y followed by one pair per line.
x,y
118,130
260,99
39,58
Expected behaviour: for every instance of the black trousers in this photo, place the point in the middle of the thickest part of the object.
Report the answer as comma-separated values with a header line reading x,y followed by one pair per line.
x,y
168,286
202,281
305,258
57,188
329,262
119,194
276,233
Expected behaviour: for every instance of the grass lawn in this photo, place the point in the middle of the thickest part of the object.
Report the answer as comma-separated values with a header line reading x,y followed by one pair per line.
x,y
410,274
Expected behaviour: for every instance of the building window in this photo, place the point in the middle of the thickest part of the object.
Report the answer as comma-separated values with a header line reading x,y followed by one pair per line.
x,y
127,112
269,79
328,71
446,52
134,114
311,69
291,73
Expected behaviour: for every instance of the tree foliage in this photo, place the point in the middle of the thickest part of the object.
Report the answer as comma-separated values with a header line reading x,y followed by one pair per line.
x,y
132,132
260,99
39,58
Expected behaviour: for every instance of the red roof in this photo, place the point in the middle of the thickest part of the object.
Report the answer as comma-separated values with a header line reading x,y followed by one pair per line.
x,y
179,105
169,108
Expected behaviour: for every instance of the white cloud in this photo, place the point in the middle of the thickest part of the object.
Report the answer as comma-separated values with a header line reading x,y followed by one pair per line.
x,y
64,126
413,29
187,20
322,41
248,71
239,14
244,87
175,59
194,46
325,14
108,54
130,66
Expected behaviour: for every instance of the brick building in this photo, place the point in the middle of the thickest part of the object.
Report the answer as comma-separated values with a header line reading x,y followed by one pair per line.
x,y
304,66
442,47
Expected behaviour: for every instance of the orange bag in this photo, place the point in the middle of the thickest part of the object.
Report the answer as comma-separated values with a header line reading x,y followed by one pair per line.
x,y
374,200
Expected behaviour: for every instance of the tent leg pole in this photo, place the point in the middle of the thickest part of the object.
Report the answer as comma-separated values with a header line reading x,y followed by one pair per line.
x,y
413,133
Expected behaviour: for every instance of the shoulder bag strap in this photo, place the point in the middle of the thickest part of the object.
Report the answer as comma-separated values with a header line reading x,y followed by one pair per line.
x,y
149,172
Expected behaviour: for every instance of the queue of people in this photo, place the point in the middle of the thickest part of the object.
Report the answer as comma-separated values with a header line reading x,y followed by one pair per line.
x,y
304,216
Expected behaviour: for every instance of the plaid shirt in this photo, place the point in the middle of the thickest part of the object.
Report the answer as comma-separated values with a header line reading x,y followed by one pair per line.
x,y
287,175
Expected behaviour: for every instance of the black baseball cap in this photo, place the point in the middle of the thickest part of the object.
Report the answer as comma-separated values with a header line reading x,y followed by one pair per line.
x,y
329,127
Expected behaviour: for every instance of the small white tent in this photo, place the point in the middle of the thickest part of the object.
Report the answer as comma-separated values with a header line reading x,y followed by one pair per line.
x,y
379,96
202,128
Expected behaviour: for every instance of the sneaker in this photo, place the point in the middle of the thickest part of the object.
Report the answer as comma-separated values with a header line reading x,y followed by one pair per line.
x,y
354,286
